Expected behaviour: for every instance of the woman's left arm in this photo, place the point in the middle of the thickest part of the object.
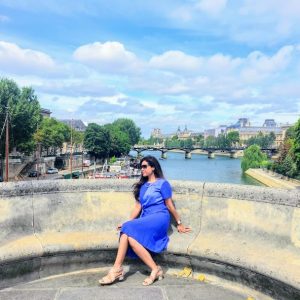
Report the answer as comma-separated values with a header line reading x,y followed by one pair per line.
x,y
180,227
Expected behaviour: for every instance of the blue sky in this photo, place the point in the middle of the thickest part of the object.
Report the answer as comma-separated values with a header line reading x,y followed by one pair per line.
x,y
170,63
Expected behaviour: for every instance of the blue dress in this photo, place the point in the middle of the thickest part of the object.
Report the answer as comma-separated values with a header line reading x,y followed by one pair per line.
x,y
151,228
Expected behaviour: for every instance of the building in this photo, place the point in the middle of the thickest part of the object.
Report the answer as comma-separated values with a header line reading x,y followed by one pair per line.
x,y
156,133
252,131
181,134
242,122
269,123
220,130
77,125
46,112
209,132
246,131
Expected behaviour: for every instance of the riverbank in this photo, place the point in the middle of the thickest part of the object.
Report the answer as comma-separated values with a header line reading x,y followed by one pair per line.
x,y
272,179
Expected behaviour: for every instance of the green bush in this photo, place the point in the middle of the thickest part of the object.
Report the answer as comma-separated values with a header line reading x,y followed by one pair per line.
x,y
253,158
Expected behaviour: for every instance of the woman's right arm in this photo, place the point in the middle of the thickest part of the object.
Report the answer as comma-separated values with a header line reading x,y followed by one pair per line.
x,y
134,214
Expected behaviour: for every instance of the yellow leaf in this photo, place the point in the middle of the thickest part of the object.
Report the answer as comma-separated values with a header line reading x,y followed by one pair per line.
x,y
186,272
201,277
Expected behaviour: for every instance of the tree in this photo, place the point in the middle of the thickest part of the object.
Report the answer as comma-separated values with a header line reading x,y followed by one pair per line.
x,y
52,134
24,111
210,141
286,163
222,142
97,140
129,127
188,143
253,158
264,141
233,138
296,146
120,144
77,137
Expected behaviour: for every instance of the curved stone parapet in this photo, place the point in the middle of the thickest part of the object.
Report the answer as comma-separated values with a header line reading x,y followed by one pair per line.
x,y
245,233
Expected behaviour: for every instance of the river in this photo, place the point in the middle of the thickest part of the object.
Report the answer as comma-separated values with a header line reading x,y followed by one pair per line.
x,y
221,169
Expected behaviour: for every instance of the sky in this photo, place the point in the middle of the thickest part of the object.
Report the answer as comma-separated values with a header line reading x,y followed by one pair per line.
x,y
163,64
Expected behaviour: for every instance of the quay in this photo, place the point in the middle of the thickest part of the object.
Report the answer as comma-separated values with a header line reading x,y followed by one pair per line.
x,y
272,179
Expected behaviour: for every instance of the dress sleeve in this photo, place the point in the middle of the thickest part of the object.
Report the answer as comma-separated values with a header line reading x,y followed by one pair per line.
x,y
166,190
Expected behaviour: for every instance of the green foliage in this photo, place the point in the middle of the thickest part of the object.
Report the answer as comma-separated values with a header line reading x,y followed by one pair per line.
x,y
210,142
264,141
288,162
119,141
233,138
290,133
128,126
97,140
112,160
172,143
287,167
222,141
111,140
296,146
52,134
77,137
253,158
152,141
24,111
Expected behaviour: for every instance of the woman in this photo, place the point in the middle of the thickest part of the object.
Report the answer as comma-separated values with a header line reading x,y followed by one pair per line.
x,y
146,232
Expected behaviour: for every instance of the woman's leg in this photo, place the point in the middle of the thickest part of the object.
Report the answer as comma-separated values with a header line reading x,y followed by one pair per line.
x,y
142,253
123,246
117,273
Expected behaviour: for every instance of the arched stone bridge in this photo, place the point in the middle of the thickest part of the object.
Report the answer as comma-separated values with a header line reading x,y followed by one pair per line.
x,y
188,151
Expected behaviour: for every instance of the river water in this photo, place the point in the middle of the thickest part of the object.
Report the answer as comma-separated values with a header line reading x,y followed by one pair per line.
x,y
221,169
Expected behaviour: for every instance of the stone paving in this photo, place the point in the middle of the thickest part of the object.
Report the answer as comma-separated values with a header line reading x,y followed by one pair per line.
x,y
84,285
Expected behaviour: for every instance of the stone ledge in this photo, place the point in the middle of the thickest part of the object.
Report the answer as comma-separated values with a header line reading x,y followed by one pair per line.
x,y
43,222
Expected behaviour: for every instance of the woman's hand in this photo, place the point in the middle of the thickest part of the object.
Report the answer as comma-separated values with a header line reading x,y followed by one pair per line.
x,y
182,229
119,226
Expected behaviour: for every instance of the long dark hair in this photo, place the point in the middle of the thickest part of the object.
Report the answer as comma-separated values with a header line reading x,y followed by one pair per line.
x,y
158,173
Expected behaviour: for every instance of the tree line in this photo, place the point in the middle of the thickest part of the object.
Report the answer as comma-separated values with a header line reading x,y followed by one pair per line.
x,y
28,129
222,141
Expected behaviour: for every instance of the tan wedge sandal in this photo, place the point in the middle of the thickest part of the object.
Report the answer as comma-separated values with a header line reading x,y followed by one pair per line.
x,y
113,275
155,275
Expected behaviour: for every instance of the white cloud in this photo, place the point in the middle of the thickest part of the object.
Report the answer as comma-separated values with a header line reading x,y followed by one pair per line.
x,y
268,21
220,64
176,61
16,60
258,65
212,7
277,62
111,57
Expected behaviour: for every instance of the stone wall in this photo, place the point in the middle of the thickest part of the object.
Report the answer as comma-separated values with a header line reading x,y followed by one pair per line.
x,y
238,231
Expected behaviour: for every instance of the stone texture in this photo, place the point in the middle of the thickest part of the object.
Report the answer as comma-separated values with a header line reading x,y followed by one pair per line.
x,y
28,294
67,223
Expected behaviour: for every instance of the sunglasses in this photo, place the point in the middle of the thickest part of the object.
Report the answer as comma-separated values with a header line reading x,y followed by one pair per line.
x,y
144,166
